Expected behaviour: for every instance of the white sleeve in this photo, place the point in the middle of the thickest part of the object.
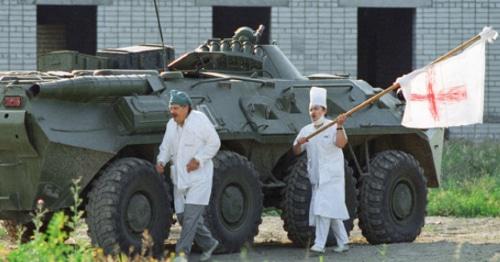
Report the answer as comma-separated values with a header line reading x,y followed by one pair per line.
x,y
164,154
335,134
211,142
301,134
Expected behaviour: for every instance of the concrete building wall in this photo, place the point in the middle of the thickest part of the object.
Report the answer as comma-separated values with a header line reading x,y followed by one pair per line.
x,y
130,22
446,24
17,35
318,36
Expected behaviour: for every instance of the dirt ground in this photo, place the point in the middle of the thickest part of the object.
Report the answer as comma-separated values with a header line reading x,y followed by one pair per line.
x,y
442,239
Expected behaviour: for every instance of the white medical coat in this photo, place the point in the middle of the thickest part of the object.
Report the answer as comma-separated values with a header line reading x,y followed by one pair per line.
x,y
196,139
325,168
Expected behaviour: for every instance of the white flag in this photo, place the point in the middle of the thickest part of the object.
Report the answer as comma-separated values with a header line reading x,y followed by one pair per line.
x,y
450,92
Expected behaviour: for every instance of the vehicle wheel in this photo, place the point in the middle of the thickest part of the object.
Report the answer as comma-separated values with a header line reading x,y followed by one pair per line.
x,y
234,212
127,199
296,199
393,198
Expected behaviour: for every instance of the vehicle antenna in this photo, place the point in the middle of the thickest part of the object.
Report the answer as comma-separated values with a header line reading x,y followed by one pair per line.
x,y
161,36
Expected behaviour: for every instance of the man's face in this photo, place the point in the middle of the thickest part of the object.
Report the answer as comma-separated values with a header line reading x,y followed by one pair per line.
x,y
316,112
179,113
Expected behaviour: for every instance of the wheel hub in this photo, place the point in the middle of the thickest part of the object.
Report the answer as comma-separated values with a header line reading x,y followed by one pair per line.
x,y
139,212
233,202
402,200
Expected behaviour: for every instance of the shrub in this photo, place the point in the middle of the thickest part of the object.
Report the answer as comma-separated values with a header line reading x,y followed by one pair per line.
x,y
50,245
470,184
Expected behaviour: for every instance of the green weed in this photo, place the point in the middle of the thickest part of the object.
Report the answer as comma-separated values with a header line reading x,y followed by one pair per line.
x,y
3,232
470,184
53,245
50,245
382,251
271,212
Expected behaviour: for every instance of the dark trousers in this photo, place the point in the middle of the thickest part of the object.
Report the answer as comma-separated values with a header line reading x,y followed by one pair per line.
x,y
193,228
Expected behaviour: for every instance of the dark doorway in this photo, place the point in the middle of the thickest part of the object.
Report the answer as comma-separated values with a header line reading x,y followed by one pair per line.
x,y
227,19
66,27
385,44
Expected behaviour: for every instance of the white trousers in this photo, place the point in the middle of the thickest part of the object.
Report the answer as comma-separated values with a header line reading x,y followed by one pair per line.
x,y
323,225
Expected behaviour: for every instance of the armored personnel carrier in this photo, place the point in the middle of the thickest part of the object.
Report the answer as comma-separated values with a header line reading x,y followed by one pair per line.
x,y
104,126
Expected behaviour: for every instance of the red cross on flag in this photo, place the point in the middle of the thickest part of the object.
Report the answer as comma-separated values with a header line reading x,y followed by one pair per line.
x,y
449,92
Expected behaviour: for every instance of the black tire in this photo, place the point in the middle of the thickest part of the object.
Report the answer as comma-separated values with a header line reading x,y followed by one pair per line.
x,y
115,223
296,199
234,212
393,198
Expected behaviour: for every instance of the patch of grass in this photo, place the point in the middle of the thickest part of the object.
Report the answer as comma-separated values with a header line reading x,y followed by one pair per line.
x,y
271,212
470,185
464,161
3,232
477,198
382,251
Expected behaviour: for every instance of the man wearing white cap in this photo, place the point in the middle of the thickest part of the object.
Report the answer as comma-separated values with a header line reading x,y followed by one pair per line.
x,y
325,166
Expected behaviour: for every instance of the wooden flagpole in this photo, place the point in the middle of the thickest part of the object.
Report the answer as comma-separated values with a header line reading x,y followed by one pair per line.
x,y
395,86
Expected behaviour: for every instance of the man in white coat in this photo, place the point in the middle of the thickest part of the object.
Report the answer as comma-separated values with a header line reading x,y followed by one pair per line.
x,y
190,142
325,166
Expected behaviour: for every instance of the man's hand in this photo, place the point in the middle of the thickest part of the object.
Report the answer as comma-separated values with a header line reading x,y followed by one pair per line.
x,y
192,165
297,148
160,168
302,140
341,120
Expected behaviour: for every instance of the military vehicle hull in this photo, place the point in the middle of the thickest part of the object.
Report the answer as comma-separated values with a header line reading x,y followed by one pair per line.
x,y
105,129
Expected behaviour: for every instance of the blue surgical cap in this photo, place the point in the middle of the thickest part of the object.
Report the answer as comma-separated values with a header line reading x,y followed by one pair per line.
x,y
180,98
